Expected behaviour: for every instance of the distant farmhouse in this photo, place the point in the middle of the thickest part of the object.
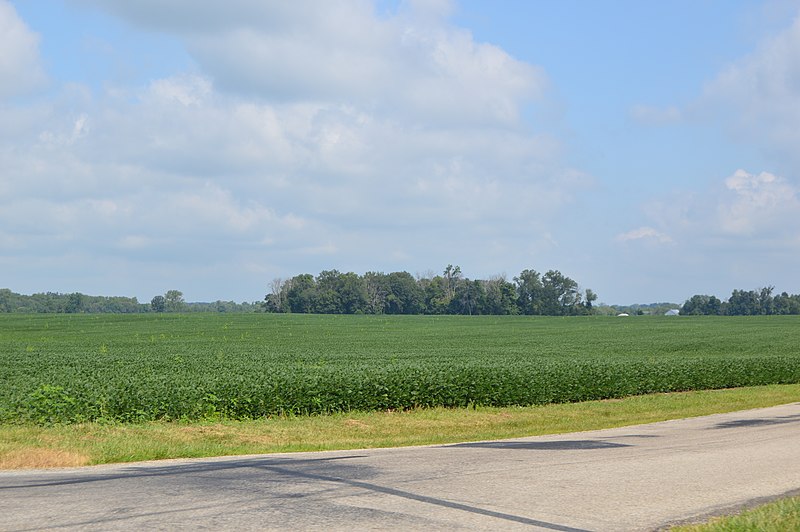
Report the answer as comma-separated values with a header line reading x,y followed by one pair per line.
x,y
673,312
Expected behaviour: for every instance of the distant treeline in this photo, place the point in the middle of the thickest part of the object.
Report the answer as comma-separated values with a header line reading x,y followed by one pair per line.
x,y
52,302
743,303
643,309
333,292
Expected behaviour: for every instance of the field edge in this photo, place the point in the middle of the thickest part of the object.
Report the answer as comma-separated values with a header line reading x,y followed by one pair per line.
x,y
28,446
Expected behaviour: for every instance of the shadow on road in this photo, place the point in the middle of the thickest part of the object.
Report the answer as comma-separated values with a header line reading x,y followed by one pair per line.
x,y
278,483
567,445
759,422
132,472
425,499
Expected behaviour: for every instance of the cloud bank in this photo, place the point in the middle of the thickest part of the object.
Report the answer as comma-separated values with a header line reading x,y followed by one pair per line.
x,y
310,136
744,226
761,95
20,65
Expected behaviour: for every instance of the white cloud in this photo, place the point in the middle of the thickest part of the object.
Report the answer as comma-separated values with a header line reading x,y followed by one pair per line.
x,y
757,204
134,242
645,233
743,211
151,174
20,64
760,95
741,232
186,90
365,142
409,62
748,218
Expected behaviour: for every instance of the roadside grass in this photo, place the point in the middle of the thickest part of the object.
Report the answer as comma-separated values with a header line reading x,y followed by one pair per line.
x,y
780,516
29,446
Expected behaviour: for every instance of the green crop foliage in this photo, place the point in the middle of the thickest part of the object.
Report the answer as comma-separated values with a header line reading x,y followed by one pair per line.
x,y
132,368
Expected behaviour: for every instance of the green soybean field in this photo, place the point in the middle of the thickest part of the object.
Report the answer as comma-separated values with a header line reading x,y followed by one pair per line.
x,y
135,368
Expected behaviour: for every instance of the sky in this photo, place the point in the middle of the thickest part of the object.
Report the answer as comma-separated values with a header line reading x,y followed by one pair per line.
x,y
648,150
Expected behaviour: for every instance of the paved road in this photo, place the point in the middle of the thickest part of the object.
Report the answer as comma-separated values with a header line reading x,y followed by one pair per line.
x,y
634,478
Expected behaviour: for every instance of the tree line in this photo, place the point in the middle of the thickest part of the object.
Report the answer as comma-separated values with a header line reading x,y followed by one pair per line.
x,y
743,303
53,302
76,303
172,301
334,292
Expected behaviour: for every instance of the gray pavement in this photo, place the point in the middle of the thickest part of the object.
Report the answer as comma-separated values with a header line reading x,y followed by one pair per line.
x,y
643,477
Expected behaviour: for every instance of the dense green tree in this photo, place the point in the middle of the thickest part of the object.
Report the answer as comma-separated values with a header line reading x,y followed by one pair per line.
x,y
352,293
339,293
500,297
78,302
328,299
436,299
786,304
469,298
744,303
7,300
588,301
376,289
713,306
158,304
700,304
74,303
561,296
405,295
173,301
529,292
302,294
765,300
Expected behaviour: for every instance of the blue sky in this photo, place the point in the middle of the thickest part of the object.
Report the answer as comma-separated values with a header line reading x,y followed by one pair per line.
x,y
649,150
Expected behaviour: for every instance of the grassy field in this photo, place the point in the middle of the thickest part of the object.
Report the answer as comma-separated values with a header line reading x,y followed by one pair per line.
x,y
27,446
779,516
137,368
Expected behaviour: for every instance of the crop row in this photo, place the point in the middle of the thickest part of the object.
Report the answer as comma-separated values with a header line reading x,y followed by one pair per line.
x,y
75,368
326,390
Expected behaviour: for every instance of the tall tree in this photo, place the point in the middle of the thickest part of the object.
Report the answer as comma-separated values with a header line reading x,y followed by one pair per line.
x,y
744,303
469,298
302,293
404,296
529,292
352,294
452,276
158,304
376,288
588,300
436,298
174,302
499,296
328,299
561,294
275,301
75,302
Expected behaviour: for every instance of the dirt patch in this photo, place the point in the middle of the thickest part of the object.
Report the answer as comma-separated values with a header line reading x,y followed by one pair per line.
x,y
201,432
258,439
357,424
39,458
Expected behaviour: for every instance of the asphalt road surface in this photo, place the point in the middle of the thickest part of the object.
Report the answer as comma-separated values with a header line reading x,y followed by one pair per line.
x,y
644,477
